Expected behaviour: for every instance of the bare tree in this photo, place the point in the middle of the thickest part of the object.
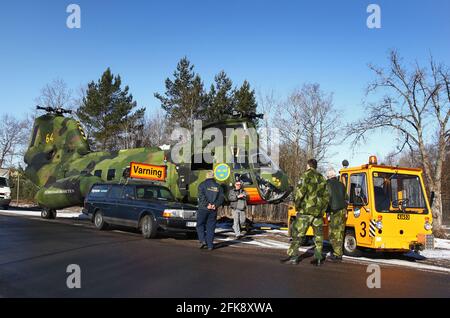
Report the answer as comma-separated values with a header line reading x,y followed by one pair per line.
x,y
56,94
131,135
268,134
416,104
308,119
155,132
12,138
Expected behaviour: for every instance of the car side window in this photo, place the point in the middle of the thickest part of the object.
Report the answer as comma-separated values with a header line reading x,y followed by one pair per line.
x,y
115,192
128,193
165,194
344,179
358,189
145,193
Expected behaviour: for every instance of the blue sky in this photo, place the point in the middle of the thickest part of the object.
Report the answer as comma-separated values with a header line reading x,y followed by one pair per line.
x,y
275,45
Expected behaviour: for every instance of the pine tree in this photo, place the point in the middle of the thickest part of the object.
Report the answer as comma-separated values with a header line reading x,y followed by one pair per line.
x,y
245,101
220,99
185,99
105,109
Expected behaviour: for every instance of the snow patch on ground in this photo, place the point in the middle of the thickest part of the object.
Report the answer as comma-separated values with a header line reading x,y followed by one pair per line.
x,y
400,263
436,253
59,214
441,243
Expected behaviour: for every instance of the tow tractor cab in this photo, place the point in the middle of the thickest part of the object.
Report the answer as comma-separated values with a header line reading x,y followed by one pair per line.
x,y
5,190
388,209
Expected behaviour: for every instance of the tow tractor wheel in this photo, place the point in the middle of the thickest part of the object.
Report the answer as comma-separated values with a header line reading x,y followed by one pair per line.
x,y
48,214
350,244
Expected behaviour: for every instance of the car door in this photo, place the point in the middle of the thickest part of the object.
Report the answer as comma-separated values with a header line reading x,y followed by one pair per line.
x,y
110,205
358,208
127,207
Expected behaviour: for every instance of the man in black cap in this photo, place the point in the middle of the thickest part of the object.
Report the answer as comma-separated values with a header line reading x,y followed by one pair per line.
x,y
210,198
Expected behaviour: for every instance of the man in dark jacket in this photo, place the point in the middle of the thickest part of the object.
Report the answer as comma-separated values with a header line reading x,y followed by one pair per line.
x,y
210,197
238,204
337,208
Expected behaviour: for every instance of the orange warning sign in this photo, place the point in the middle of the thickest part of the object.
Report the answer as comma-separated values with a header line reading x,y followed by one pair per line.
x,y
146,171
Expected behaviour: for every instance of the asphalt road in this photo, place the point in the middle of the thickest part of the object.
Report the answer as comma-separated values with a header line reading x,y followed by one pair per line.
x,y
35,253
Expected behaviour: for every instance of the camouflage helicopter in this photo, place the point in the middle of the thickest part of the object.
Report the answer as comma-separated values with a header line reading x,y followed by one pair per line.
x,y
60,162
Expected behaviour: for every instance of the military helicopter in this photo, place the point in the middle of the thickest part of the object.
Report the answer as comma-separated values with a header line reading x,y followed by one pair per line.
x,y
61,163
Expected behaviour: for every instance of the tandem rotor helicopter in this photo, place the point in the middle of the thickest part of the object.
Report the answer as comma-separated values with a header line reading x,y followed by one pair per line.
x,y
61,163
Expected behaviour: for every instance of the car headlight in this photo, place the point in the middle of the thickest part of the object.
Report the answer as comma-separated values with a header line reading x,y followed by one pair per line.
x,y
356,213
171,213
379,223
427,225
8,195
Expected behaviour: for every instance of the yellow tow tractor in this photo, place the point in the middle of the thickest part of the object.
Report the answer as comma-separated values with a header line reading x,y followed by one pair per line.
x,y
388,209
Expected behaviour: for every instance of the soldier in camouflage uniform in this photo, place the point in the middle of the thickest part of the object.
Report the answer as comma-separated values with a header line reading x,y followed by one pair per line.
x,y
311,200
337,208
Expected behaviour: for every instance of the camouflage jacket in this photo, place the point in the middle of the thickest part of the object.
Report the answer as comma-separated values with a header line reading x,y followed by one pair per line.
x,y
311,195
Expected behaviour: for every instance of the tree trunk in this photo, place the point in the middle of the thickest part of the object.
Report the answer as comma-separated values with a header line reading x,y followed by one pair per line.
x,y
436,209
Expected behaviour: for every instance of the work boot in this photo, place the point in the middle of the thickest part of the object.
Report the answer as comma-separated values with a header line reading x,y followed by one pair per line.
x,y
318,262
335,259
291,260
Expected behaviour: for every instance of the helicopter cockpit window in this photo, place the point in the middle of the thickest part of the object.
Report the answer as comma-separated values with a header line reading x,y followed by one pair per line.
x,y
111,174
98,173
35,132
240,159
245,178
263,161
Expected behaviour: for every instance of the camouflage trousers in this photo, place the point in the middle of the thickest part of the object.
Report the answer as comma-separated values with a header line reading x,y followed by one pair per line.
x,y
299,229
337,229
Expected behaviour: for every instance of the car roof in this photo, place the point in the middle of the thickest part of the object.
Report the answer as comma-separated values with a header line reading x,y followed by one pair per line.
x,y
130,184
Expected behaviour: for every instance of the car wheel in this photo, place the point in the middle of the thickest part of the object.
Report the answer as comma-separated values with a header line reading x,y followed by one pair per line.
x,y
48,214
99,221
350,244
148,227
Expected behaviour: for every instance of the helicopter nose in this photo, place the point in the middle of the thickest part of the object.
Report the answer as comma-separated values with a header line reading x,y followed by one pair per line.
x,y
274,191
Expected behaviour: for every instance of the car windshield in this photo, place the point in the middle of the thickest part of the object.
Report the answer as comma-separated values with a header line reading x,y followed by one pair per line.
x,y
395,191
146,192
4,182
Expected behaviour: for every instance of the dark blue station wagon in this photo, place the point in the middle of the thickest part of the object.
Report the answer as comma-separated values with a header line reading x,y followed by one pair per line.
x,y
142,206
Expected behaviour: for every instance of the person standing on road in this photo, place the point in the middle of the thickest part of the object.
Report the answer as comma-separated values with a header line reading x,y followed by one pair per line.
x,y
238,203
210,198
311,201
337,209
